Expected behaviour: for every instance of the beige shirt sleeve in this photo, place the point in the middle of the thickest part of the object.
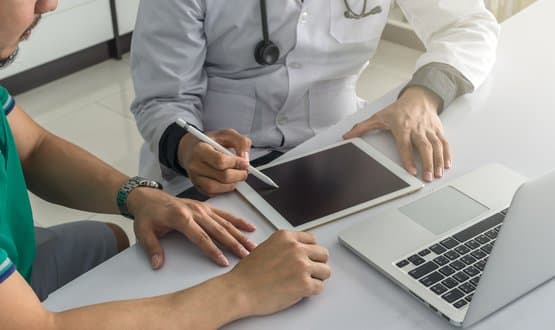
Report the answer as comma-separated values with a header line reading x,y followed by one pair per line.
x,y
443,80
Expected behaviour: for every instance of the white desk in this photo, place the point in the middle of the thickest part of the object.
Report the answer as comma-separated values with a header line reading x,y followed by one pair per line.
x,y
510,120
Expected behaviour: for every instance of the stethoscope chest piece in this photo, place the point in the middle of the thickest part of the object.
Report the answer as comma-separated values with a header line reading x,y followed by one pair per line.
x,y
266,53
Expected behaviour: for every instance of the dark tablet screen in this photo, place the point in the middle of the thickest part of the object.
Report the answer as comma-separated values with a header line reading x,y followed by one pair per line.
x,y
326,182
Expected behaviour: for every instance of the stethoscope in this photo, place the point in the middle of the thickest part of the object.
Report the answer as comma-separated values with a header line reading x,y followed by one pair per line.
x,y
267,52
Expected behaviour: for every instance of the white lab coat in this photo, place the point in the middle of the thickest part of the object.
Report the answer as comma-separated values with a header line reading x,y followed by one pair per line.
x,y
193,59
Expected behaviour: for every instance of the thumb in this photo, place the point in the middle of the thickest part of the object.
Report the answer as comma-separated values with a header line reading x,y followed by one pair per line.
x,y
370,124
153,248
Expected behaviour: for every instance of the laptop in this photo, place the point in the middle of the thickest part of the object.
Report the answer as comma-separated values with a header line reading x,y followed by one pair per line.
x,y
460,249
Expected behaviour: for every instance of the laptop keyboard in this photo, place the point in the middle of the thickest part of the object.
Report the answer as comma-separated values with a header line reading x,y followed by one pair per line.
x,y
452,268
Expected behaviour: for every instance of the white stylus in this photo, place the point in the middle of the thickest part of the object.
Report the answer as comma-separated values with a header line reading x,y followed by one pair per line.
x,y
204,138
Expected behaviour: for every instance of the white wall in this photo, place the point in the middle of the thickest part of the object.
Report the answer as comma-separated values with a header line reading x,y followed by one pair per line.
x,y
127,14
75,25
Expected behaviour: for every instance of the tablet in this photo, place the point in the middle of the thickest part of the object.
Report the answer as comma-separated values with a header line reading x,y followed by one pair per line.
x,y
327,184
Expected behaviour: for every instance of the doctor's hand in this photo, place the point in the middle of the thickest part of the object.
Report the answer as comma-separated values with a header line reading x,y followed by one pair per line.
x,y
211,171
414,122
157,213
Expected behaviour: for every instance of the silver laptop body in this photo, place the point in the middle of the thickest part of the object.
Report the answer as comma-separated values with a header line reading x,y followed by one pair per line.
x,y
449,250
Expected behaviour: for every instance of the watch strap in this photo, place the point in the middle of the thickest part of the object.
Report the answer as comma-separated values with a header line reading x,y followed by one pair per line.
x,y
128,187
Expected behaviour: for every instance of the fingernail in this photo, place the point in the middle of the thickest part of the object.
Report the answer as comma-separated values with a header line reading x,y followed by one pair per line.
x,y
243,252
222,260
155,261
246,155
413,171
439,172
428,176
250,244
448,165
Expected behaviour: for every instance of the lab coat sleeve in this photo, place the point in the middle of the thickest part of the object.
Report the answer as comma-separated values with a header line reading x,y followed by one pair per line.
x,y
167,59
459,33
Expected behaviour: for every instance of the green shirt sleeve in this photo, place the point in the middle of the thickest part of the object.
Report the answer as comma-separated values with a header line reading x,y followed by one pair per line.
x,y
7,102
6,266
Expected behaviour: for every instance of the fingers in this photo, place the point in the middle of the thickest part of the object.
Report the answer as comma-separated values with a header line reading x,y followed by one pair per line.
x,y
304,237
220,161
232,139
236,221
196,234
446,150
425,150
404,144
320,271
437,154
372,123
215,173
151,243
233,238
317,253
206,224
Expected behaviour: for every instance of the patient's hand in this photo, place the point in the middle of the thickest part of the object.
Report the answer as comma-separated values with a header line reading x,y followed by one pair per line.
x,y
281,271
157,213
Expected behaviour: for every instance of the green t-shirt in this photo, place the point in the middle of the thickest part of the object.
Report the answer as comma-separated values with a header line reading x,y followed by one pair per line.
x,y
17,236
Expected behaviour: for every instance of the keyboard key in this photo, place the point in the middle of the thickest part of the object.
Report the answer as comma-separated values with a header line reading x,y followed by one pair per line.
x,y
475,281
491,234
441,260
482,239
469,297
460,304
431,279
451,255
450,283
461,277
438,249
402,263
461,249
453,295
457,265
479,227
447,271
416,260
478,254
472,244
480,265
468,259
423,270
449,243
487,248
497,228
471,271
467,288
438,289
424,253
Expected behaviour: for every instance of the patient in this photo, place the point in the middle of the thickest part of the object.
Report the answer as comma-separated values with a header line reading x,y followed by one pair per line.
x,y
36,261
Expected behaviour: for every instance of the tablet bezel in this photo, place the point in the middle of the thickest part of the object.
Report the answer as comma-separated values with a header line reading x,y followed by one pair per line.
x,y
278,221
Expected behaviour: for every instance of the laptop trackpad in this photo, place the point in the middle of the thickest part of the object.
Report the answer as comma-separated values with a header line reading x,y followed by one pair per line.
x,y
443,210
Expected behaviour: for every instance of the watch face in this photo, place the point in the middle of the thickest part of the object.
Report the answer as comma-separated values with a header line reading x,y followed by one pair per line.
x,y
142,182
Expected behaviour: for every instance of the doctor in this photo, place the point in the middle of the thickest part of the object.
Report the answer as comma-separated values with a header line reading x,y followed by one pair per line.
x,y
271,74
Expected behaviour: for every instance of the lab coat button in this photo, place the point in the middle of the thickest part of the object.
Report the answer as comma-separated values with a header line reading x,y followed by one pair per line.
x,y
282,120
303,17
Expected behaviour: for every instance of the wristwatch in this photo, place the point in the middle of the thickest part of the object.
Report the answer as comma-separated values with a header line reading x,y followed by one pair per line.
x,y
128,187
